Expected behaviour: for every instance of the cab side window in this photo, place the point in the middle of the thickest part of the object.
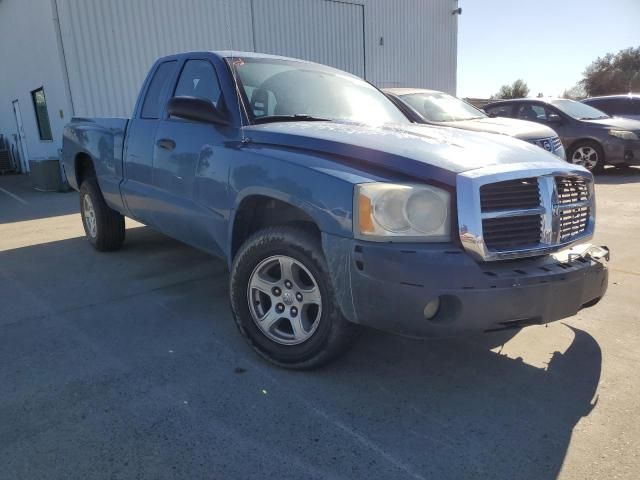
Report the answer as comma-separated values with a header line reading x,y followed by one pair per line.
x,y
199,79
532,112
500,110
157,88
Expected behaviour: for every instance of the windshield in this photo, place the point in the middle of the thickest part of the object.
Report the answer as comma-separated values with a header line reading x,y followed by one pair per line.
x,y
276,89
440,107
578,110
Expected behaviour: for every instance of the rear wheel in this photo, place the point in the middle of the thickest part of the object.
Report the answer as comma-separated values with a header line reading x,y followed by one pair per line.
x,y
588,154
103,226
283,300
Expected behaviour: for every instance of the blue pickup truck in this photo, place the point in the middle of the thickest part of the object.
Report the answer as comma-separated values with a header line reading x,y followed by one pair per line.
x,y
332,210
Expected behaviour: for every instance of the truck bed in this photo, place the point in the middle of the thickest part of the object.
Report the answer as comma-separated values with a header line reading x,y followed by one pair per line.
x,y
101,139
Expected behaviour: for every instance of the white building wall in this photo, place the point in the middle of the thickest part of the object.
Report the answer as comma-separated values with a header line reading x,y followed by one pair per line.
x,y
109,46
29,60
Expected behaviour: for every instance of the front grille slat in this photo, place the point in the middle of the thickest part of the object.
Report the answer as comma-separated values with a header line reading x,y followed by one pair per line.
x,y
503,233
573,222
511,195
510,232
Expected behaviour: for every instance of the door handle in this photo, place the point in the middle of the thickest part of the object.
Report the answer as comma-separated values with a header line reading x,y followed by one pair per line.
x,y
166,144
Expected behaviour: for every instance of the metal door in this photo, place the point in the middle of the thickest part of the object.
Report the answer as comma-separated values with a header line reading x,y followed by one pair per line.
x,y
22,139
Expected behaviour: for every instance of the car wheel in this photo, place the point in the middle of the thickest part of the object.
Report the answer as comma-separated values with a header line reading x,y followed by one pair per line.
x,y
587,154
103,226
283,300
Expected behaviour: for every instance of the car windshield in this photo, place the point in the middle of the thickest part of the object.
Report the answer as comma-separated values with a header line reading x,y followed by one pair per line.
x,y
440,107
578,110
287,90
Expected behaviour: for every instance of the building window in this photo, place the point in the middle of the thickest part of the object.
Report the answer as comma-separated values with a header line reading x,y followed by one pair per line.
x,y
42,115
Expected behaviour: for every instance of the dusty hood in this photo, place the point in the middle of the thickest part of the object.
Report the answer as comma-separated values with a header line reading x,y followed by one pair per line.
x,y
617,122
421,151
521,129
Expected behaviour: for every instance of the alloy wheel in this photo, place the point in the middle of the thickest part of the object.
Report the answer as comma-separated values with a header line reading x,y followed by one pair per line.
x,y
585,156
284,300
90,216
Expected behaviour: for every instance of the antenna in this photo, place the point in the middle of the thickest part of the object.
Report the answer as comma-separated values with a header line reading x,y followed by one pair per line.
x,y
233,70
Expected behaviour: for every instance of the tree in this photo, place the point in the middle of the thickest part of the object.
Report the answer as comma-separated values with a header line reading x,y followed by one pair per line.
x,y
612,74
576,92
517,89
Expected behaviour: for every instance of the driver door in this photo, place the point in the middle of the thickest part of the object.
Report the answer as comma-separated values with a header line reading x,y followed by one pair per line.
x,y
191,165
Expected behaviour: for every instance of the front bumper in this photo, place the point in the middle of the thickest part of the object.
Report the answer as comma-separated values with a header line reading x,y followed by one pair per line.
x,y
619,151
387,286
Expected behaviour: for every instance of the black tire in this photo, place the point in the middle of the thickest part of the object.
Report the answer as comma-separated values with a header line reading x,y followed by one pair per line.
x,y
333,334
108,234
600,161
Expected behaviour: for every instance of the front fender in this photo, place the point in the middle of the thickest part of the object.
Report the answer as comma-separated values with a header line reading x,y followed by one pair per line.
x,y
296,178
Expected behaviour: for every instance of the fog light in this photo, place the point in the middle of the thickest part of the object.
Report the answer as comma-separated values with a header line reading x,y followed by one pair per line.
x,y
431,309
628,155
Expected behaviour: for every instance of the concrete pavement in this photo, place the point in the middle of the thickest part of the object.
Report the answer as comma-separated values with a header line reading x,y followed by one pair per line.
x,y
128,365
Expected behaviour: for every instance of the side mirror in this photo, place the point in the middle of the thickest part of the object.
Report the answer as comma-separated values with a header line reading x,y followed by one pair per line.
x,y
197,109
554,118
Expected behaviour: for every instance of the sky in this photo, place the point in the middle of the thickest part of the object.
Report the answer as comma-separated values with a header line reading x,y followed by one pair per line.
x,y
547,43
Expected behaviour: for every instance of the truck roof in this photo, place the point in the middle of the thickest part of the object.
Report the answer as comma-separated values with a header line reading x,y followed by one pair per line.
x,y
234,53
408,91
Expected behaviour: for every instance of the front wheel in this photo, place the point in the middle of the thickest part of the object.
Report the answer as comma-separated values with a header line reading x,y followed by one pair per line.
x,y
103,226
587,154
284,302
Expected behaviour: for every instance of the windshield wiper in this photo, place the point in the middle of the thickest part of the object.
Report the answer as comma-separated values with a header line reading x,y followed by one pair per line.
x,y
298,117
595,118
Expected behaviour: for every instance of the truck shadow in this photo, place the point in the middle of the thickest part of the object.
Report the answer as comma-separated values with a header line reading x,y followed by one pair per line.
x,y
153,321
615,176
468,412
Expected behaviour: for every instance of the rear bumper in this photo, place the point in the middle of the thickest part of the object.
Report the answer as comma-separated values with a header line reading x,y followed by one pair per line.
x,y
387,286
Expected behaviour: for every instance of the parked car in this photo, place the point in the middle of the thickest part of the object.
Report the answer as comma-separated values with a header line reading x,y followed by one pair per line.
x,y
332,210
627,106
438,108
591,137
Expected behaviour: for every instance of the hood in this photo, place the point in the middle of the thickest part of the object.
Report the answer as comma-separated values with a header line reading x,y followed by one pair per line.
x,y
420,151
521,129
617,122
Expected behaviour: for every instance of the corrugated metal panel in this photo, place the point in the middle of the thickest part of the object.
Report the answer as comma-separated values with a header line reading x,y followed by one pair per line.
x,y
322,31
419,43
110,44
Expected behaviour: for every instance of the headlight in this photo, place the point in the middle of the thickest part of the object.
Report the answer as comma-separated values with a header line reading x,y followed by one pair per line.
x,y
388,212
624,134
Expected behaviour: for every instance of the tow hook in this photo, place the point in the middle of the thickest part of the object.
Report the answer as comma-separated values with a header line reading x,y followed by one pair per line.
x,y
593,252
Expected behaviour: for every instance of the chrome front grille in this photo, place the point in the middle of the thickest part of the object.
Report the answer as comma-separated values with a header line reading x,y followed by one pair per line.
x,y
550,144
521,217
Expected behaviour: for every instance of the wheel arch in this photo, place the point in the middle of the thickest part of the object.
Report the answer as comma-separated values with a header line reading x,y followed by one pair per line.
x,y
84,167
259,209
582,140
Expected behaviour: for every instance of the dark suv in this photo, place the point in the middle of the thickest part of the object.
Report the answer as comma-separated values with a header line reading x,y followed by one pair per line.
x,y
590,136
627,106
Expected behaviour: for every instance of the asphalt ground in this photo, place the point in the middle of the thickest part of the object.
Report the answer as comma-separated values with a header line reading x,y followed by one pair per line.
x,y
128,365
